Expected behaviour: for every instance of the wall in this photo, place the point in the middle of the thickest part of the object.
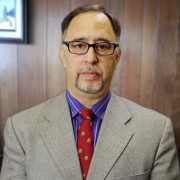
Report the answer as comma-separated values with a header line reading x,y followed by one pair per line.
x,y
149,71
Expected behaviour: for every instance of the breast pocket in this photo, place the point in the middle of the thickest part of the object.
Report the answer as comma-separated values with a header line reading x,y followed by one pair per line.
x,y
142,176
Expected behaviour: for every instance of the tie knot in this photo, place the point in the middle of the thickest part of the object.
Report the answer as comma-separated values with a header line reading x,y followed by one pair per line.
x,y
86,114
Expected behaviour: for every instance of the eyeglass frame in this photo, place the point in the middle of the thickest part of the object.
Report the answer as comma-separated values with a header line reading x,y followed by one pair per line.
x,y
90,45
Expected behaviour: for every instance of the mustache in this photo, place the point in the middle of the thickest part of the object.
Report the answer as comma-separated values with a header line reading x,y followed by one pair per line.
x,y
89,68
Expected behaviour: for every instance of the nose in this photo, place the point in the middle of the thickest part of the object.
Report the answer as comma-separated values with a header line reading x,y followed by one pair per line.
x,y
91,56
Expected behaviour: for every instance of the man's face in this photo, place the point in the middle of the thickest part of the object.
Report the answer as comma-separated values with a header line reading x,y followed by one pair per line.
x,y
89,73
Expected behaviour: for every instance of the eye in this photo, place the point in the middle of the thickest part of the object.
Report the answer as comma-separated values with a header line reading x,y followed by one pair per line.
x,y
103,46
78,45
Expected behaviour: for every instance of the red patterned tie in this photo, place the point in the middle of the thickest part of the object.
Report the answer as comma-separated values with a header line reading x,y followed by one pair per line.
x,y
85,141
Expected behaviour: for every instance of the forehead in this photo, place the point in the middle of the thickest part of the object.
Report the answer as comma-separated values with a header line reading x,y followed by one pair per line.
x,y
90,26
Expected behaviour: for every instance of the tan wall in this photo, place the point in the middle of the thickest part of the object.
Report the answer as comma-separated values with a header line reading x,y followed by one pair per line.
x,y
149,71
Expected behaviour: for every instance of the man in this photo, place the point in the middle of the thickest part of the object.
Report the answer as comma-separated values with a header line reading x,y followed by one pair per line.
x,y
129,141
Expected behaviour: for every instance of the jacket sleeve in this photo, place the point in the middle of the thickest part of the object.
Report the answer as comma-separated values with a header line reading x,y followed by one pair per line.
x,y
13,166
166,165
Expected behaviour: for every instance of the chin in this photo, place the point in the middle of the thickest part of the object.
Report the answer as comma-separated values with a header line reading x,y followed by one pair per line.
x,y
90,89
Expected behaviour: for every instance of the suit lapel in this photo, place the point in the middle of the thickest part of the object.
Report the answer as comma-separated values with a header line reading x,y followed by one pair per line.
x,y
112,141
57,133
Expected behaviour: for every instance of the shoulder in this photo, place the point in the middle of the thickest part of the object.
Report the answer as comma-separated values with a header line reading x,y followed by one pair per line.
x,y
26,125
33,116
137,109
147,125
142,116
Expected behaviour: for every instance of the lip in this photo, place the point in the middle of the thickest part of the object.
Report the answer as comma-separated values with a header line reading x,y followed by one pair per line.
x,y
90,75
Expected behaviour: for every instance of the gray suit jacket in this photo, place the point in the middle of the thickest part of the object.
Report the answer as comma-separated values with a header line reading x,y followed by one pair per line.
x,y
134,143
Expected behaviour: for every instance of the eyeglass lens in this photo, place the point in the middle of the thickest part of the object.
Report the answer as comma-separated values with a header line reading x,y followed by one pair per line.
x,y
103,48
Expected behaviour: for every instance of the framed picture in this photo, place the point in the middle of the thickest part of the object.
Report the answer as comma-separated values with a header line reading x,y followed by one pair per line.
x,y
13,19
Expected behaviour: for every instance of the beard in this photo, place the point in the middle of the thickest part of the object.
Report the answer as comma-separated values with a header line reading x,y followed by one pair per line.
x,y
91,88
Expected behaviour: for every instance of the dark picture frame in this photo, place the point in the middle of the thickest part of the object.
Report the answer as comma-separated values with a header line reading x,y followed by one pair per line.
x,y
13,21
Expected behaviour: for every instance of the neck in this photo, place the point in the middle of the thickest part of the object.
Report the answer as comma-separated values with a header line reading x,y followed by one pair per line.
x,y
88,100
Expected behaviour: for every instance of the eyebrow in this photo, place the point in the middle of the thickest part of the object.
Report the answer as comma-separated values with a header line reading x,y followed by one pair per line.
x,y
79,39
96,40
102,39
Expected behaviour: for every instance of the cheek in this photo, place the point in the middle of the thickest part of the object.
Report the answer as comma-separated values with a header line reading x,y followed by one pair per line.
x,y
71,70
108,68
69,64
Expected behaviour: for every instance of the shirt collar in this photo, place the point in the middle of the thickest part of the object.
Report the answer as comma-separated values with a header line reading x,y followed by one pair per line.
x,y
98,109
75,105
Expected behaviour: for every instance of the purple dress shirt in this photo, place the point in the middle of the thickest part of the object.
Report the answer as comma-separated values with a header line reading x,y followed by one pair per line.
x,y
98,110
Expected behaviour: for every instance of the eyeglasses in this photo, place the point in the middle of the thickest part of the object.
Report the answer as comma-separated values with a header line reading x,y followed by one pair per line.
x,y
80,48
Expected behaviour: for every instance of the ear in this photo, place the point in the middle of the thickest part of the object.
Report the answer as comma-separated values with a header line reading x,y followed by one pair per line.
x,y
62,56
118,55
